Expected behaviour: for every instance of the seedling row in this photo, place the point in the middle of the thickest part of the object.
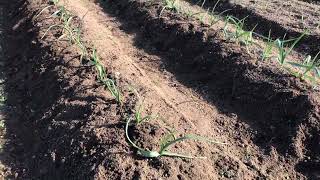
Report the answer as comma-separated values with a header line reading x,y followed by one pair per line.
x,y
278,50
72,33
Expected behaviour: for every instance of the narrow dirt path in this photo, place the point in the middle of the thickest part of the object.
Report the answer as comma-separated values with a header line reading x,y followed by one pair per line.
x,y
162,94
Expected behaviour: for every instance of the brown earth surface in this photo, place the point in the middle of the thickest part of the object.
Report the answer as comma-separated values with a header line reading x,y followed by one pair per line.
x,y
62,124
312,1
288,18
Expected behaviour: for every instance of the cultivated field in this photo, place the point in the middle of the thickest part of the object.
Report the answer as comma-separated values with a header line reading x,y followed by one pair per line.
x,y
160,89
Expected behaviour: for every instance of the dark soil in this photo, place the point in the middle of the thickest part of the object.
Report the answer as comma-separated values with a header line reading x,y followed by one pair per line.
x,y
53,103
62,123
312,1
281,17
65,125
283,111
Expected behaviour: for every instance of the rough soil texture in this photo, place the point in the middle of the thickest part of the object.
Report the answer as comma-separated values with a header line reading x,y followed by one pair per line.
x,y
281,17
199,58
312,1
62,124
52,102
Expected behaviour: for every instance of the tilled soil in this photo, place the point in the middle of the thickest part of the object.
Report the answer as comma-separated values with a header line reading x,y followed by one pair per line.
x,y
312,1
52,100
62,124
290,18
261,96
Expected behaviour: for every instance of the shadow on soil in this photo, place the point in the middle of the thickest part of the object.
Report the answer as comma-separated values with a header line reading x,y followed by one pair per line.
x,y
261,97
263,25
45,111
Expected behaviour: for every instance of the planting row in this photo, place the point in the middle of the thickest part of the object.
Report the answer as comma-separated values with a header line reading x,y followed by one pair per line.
x,y
290,18
234,29
82,130
270,99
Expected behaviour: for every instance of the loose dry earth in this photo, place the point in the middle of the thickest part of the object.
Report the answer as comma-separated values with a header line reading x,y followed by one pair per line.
x,y
61,123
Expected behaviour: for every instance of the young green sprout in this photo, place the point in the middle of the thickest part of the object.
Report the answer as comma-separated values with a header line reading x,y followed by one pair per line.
x,y
62,13
166,143
55,3
74,36
47,7
66,19
189,13
248,36
102,76
203,16
76,32
268,48
67,30
2,99
240,34
214,18
99,67
51,27
204,1
171,5
138,116
310,66
115,92
281,45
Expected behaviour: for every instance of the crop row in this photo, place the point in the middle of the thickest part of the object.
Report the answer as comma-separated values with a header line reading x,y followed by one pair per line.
x,y
72,33
278,49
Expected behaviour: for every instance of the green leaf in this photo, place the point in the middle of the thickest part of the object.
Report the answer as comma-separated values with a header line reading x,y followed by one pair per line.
x,y
298,64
